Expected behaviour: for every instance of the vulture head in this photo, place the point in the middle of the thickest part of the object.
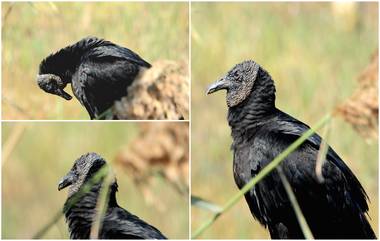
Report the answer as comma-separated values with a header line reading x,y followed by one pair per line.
x,y
238,82
84,168
53,84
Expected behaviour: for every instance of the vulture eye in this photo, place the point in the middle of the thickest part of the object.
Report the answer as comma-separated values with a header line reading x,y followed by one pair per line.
x,y
50,85
236,74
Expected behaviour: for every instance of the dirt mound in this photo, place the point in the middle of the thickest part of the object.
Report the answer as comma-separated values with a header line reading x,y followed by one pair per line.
x,y
161,92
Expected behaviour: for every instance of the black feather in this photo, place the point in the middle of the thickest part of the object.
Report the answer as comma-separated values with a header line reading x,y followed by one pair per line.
x,y
99,71
117,223
335,208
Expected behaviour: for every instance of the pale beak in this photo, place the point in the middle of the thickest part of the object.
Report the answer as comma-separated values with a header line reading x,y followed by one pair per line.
x,y
223,83
66,181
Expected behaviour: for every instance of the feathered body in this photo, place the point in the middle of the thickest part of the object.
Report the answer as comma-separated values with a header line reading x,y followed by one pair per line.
x,y
335,208
80,214
99,72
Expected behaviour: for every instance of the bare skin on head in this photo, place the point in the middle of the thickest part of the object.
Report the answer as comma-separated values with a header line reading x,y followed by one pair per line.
x,y
238,82
53,84
76,177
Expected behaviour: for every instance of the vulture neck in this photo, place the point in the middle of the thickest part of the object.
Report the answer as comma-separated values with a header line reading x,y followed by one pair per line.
x,y
62,63
258,107
80,215
65,61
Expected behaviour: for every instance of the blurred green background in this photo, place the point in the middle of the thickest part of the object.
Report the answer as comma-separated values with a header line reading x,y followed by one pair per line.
x,y
314,52
35,156
32,31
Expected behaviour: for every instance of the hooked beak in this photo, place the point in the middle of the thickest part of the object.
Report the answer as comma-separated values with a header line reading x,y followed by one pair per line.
x,y
218,85
66,181
63,94
53,84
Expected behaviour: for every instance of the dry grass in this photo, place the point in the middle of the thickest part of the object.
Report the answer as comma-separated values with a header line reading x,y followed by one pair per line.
x,y
361,110
168,155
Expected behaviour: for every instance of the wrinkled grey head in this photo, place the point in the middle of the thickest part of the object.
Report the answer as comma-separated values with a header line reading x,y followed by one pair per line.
x,y
83,169
238,82
52,84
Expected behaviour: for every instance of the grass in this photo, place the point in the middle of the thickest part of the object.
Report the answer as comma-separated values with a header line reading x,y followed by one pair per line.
x,y
45,152
32,31
313,54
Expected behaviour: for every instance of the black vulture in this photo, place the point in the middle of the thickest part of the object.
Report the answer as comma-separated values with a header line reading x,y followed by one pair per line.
x,y
335,208
99,72
80,211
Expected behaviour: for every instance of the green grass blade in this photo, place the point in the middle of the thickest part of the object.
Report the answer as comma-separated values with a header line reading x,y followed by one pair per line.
x,y
206,205
47,226
296,207
321,157
106,114
101,173
101,206
266,170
